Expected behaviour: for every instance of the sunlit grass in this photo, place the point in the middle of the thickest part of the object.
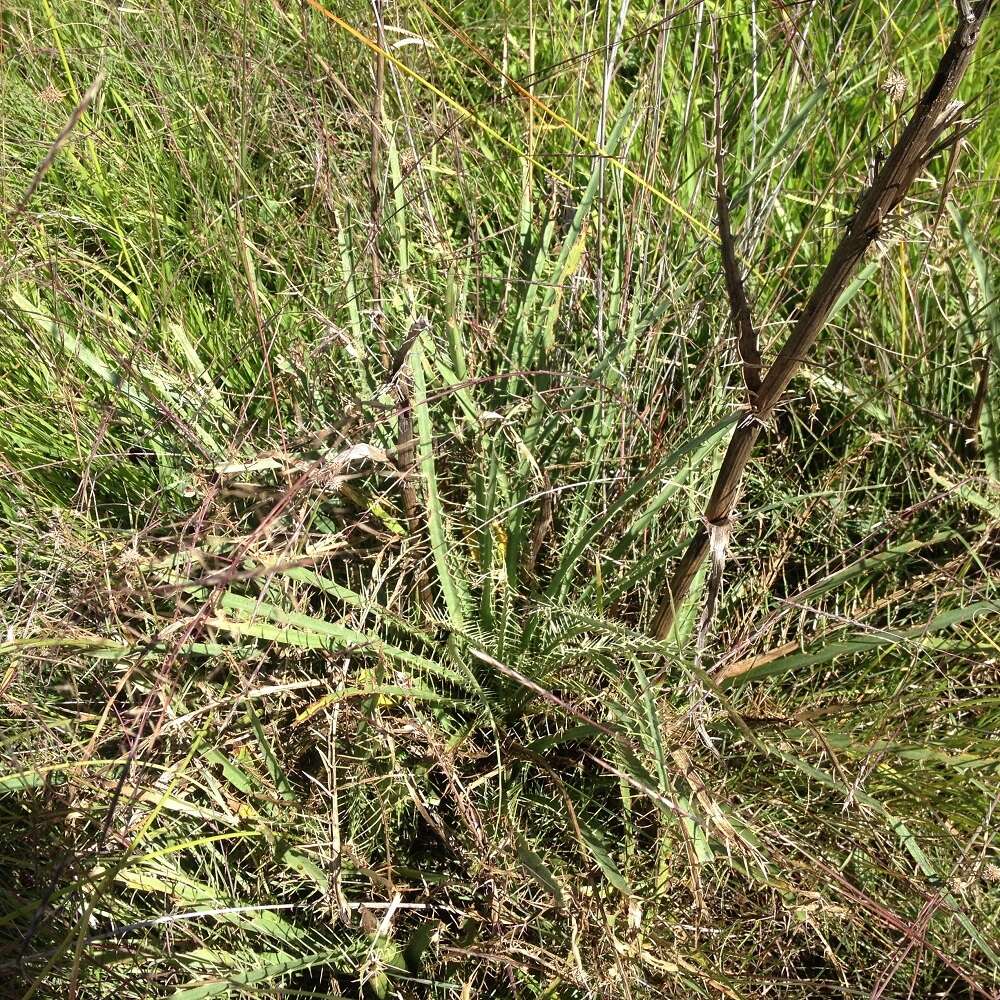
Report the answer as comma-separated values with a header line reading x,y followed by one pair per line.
x,y
349,439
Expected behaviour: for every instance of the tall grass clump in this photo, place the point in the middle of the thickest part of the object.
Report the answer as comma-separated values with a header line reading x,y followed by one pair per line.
x,y
375,622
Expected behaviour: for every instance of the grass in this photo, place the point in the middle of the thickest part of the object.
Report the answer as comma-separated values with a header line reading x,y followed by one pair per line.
x,y
354,420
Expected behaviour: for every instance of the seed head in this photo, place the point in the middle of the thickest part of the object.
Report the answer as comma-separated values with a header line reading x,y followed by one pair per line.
x,y
895,86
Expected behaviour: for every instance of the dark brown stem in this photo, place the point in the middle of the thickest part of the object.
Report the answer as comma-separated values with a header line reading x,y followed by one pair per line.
x,y
887,191
739,307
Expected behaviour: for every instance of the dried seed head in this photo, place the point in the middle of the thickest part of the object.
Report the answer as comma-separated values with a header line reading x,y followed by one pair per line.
x,y
891,232
408,163
50,95
895,86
